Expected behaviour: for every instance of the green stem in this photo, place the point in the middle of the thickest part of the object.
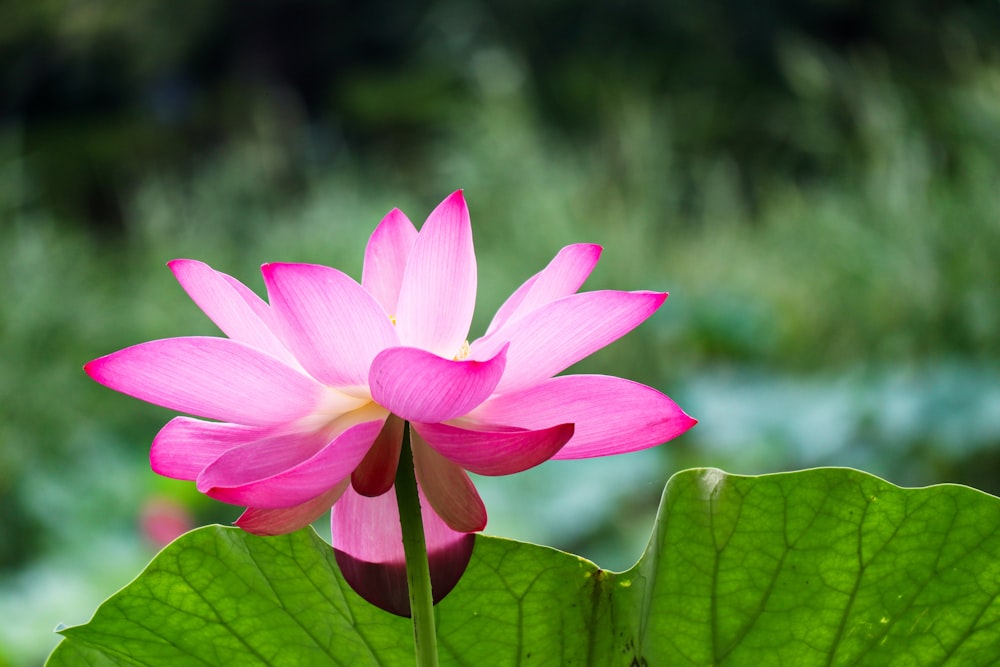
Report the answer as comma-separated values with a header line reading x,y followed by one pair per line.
x,y
418,571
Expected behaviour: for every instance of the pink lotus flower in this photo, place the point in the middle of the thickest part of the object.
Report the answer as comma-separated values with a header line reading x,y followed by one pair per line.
x,y
309,392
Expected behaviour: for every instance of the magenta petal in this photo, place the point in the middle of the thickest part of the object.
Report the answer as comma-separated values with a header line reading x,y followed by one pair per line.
x,y
385,258
283,472
423,387
438,294
185,446
228,306
288,520
368,545
490,451
610,415
448,488
551,338
334,327
215,378
563,276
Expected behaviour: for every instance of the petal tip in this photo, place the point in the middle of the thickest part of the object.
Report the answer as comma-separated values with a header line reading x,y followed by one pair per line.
x,y
456,198
96,369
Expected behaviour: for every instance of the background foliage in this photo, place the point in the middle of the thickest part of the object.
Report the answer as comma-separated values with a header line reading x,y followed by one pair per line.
x,y
814,182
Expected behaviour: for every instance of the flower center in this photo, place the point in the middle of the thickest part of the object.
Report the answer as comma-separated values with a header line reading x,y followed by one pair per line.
x,y
461,355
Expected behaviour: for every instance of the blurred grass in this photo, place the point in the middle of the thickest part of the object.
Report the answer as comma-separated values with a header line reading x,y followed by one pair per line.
x,y
885,265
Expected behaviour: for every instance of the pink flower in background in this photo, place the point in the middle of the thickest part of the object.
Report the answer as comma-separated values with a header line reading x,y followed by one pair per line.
x,y
309,393
163,520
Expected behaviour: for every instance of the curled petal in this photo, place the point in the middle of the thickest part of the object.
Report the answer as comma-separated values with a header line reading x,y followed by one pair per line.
x,y
438,294
288,520
185,446
551,338
385,258
283,472
494,451
423,387
450,491
215,378
611,415
334,327
377,471
232,309
563,276
368,545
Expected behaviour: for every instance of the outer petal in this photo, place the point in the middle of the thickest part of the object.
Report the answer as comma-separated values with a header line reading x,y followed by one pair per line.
x,y
551,338
368,545
420,386
229,307
438,294
288,520
334,327
185,446
283,472
377,471
563,276
385,258
611,415
210,377
450,491
495,451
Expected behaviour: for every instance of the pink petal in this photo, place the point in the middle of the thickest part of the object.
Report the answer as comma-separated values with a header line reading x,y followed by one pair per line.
x,y
377,471
438,294
334,327
492,451
210,377
385,258
227,306
611,415
288,520
368,545
563,276
257,304
549,339
450,491
282,472
185,446
420,386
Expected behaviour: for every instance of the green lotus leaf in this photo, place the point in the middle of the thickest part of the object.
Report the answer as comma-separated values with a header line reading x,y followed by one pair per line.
x,y
820,567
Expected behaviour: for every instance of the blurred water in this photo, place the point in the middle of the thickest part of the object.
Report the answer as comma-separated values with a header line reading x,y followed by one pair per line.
x,y
913,426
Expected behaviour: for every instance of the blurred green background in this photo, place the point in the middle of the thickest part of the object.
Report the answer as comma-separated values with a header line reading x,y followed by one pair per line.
x,y
817,184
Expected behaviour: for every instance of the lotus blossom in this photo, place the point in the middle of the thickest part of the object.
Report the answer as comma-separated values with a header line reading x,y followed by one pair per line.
x,y
308,395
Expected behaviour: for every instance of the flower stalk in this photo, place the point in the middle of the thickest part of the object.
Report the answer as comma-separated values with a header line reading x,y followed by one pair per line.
x,y
418,573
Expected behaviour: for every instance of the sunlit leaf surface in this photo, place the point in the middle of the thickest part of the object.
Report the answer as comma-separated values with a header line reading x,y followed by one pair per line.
x,y
822,567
